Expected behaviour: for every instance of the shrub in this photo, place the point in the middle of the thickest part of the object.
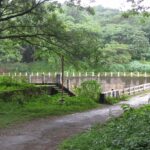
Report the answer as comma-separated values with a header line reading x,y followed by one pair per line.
x,y
138,66
9,81
19,98
90,89
126,108
113,100
117,67
129,132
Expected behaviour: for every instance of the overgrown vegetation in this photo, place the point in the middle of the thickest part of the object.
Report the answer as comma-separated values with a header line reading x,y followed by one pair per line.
x,y
40,106
90,89
24,105
102,42
129,132
113,100
13,83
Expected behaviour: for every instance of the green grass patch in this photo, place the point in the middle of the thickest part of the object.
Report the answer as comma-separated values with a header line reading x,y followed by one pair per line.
x,y
11,84
42,106
114,100
129,132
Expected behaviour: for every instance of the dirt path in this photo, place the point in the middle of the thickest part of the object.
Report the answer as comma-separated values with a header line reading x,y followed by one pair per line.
x,y
46,134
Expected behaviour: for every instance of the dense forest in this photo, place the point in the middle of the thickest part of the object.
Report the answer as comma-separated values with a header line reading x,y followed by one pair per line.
x,y
99,39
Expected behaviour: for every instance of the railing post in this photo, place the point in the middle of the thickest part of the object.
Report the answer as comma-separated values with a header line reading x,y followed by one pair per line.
x,y
113,93
93,74
68,84
79,74
98,77
133,90
124,74
43,77
129,91
123,91
73,74
67,74
111,74
117,93
49,76
30,78
79,78
37,74
58,78
86,74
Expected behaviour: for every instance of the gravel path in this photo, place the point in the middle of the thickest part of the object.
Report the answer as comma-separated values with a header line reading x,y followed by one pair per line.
x,y
46,134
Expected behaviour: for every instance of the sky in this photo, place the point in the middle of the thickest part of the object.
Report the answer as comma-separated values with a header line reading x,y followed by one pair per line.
x,y
115,4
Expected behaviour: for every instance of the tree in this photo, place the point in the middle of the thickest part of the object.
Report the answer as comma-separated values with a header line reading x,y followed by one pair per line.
x,y
35,22
9,51
139,5
11,11
31,22
114,53
139,47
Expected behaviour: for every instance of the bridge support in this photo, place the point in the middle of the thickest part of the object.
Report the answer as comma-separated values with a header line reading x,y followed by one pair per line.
x,y
102,99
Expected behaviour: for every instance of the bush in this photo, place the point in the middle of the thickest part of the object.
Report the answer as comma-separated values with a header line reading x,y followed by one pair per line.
x,y
9,81
40,106
113,100
18,98
117,68
137,66
89,89
10,84
129,132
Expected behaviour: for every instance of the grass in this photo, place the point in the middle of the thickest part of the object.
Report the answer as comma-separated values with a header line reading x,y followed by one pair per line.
x,y
14,88
114,100
42,106
129,132
11,84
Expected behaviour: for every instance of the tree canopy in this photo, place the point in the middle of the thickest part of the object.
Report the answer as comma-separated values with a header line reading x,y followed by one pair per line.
x,y
42,30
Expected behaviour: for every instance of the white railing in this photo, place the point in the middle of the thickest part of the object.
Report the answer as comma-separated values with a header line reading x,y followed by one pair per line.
x,y
128,91
80,74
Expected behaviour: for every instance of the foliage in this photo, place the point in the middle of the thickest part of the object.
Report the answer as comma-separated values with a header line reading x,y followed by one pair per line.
x,y
113,100
126,108
10,81
90,89
105,41
25,108
136,66
129,132
9,51
38,66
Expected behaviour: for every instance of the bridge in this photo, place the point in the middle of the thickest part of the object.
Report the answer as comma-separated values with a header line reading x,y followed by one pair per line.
x,y
120,82
111,80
